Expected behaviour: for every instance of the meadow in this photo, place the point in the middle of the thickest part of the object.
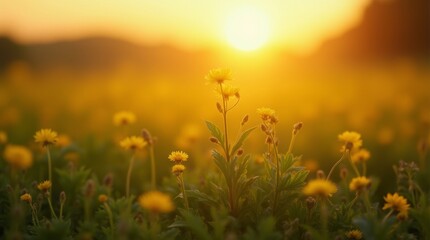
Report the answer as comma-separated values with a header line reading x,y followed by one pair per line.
x,y
216,154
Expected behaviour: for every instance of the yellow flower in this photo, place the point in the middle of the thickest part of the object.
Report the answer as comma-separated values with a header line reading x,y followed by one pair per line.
x,y
26,197
219,75
46,137
124,118
178,169
359,184
320,187
156,202
44,186
18,157
63,140
361,155
354,234
103,198
227,91
396,202
351,140
268,115
133,143
178,157
3,137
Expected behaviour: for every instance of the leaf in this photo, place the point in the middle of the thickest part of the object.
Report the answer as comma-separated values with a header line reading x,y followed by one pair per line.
x,y
201,197
216,132
240,141
196,225
222,165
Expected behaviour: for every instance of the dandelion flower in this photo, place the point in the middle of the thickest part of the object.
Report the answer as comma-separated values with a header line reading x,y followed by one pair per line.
x,y
46,137
63,140
227,91
156,202
320,187
103,198
133,143
26,197
396,202
44,186
361,155
177,169
351,140
268,115
219,75
3,137
359,184
354,235
124,118
18,157
178,157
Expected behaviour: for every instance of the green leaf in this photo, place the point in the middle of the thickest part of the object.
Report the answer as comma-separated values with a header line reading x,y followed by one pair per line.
x,y
240,141
216,132
201,197
196,225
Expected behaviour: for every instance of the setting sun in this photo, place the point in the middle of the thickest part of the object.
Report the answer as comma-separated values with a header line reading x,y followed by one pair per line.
x,y
247,28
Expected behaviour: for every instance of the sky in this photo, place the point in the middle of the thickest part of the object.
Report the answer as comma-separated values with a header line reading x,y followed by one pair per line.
x,y
296,25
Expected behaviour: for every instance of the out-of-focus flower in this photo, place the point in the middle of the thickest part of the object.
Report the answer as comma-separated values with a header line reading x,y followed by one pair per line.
x,y
156,202
320,187
26,197
3,137
359,184
268,115
133,143
397,203
177,169
351,141
359,156
46,137
103,198
124,118
18,157
354,235
44,186
219,75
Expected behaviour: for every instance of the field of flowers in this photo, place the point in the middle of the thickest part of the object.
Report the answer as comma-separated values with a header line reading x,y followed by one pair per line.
x,y
254,176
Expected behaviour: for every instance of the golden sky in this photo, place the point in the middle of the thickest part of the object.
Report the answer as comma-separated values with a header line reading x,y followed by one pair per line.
x,y
295,25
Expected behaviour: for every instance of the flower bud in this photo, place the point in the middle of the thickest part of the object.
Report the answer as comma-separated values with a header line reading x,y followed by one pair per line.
x,y
245,120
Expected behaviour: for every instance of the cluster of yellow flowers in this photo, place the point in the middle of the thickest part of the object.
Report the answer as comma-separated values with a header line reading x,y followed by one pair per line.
x,y
219,76
268,115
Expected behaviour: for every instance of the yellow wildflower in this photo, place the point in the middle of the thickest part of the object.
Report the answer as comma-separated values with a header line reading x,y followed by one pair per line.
x,y
18,157
227,91
361,155
156,202
124,118
103,198
351,140
44,186
133,143
63,140
178,169
46,137
26,197
359,184
354,234
3,137
396,202
178,157
268,115
320,187
219,75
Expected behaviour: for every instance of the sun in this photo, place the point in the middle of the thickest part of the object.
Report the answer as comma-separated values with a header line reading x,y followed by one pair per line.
x,y
247,28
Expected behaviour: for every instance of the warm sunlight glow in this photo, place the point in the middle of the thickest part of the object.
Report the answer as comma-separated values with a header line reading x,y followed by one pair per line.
x,y
247,29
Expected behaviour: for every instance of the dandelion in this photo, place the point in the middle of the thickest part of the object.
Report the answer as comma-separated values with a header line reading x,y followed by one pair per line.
x,y
359,184
124,118
133,143
219,75
320,187
351,140
46,137
354,235
3,137
178,169
26,198
178,157
396,203
18,157
103,198
227,91
44,186
268,115
360,156
156,202
63,141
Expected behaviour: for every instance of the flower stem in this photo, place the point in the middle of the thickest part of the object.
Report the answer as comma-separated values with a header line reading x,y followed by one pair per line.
x,y
52,209
387,216
354,167
278,173
224,115
290,147
127,185
153,170
61,211
109,212
181,182
49,170
335,165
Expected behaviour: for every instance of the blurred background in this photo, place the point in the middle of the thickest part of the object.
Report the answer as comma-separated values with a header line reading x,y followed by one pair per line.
x,y
360,65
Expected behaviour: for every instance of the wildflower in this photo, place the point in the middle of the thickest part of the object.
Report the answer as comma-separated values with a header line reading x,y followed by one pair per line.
x,y
320,187
156,202
351,140
103,198
178,169
133,143
63,140
124,118
18,156
44,186
359,184
3,137
46,137
354,234
227,91
268,115
26,197
361,155
219,75
396,202
178,157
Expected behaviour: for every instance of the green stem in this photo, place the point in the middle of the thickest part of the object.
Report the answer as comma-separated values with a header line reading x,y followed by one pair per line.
x,y
335,165
278,172
61,211
109,212
387,216
34,216
153,170
367,201
127,185
181,182
224,115
52,209
324,218
49,170
290,148
354,167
